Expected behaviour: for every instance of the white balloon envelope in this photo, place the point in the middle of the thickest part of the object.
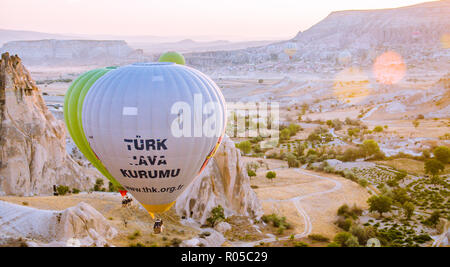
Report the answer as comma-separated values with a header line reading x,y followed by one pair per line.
x,y
154,126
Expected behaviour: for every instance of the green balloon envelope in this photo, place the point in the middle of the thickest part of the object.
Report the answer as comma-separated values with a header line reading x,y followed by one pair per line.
x,y
73,105
172,57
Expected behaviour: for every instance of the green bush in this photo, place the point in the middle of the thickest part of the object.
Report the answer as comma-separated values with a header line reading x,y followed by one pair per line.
x,y
276,221
333,245
271,175
442,153
317,237
245,147
378,129
99,185
251,173
62,190
381,204
433,219
75,191
363,182
300,244
341,238
344,224
217,215
434,166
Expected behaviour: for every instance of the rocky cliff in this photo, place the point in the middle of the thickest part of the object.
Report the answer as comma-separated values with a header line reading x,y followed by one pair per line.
x,y
223,182
62,52
81,225
33,157
418,32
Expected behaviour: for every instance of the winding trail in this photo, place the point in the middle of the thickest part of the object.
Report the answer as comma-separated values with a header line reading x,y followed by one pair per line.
x,y
296,201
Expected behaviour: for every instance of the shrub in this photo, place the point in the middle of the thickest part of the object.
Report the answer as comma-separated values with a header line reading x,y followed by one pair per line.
x,y
245,147
341,238
433,219
175,242
362,233
75,190
217,215
300,244
442,153
370,148
251,173
400,195
137,245
434,166
408,209
333,245
422,238
344,224
62,190
285,134
276,221
135,235
343,210
317,237
292,161
352,241
378,129
271,175
363,182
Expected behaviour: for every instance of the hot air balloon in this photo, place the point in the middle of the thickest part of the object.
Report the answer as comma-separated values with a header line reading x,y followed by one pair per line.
x,y
290,49
73,103
172,57
153,127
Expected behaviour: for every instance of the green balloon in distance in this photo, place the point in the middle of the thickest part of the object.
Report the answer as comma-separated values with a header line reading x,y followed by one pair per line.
x,y
73,104
172,57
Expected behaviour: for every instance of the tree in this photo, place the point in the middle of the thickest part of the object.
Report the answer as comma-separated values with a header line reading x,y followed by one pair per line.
x,y
378,129
408,209
380,204
400,195
433,166
442,153
251,173
271,175
399,176
370,147
217,215
285,134
245,147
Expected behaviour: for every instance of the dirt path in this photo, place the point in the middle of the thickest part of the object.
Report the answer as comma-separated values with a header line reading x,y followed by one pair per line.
x,y
296,201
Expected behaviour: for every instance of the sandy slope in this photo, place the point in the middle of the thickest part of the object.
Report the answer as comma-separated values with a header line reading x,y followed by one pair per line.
x,y
308,199
125,220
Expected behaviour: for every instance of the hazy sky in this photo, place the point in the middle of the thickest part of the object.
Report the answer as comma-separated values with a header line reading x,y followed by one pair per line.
x,y
231,19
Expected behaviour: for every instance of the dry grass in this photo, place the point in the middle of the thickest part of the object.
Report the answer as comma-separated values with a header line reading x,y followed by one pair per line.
x,y
411,166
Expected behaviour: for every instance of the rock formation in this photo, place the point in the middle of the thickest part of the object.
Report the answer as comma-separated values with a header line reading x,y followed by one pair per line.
x,y
81,225
223,182
416,32
33,156
63,52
